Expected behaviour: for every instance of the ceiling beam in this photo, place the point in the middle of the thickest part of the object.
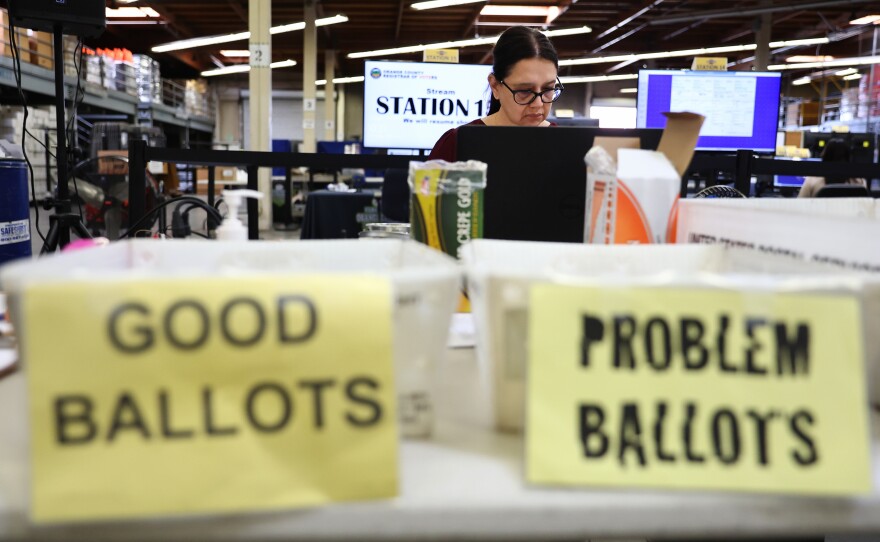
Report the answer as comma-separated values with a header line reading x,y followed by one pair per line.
x,y
775,8
399,19
180,31
651,4
236,7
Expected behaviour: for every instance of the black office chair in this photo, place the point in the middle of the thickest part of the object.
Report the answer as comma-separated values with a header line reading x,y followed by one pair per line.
x,y
395,195
843,191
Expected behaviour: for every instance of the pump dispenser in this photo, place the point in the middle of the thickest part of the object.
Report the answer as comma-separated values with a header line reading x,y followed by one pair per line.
x,y
232,229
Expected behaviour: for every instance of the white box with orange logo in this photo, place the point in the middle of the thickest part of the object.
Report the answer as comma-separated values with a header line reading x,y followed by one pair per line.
x,y
638,202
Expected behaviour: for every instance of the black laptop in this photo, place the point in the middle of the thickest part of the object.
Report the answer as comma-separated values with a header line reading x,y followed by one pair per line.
x,y
536,177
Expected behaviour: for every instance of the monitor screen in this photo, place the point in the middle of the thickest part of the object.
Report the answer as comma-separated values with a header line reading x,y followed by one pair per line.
x,y
409,105
741,108
537,194
791,181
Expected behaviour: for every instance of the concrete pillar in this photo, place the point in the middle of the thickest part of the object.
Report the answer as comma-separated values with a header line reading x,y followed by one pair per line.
x,y
764,25
260,84
329,94
310,73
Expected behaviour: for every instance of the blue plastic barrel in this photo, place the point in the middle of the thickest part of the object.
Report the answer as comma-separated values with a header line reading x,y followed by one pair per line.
x,y
15,224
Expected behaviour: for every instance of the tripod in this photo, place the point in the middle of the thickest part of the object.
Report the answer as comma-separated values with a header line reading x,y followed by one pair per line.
x,y
63,221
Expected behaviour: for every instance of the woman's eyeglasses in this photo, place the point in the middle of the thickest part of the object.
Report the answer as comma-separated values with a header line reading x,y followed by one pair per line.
x,y
526,97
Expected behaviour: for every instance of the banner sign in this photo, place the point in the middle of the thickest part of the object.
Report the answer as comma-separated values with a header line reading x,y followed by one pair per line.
x,y
182,396
698,389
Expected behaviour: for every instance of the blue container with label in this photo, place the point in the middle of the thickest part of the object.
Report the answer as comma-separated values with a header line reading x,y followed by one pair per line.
x,y
15,224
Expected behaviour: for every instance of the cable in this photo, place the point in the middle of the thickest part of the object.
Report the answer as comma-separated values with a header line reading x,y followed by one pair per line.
x,y
182,199
16,63
78,97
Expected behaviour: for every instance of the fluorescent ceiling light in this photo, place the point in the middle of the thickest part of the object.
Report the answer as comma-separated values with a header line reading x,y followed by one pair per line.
x,y
548,12
235,53
801,81
130,13
634,57
630,90
442,3
852,77
460,43
242,68
848,71
596,78
237,36
840,62
340,80
809,58
867,19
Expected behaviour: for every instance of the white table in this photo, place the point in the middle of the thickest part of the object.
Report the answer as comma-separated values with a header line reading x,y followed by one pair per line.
x,y
464,483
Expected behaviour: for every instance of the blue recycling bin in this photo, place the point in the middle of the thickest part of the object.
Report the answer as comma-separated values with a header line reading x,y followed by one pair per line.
x,y
15,224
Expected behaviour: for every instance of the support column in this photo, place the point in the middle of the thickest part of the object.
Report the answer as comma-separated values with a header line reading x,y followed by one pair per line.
x,y
329,95
310,73
260,103
764,24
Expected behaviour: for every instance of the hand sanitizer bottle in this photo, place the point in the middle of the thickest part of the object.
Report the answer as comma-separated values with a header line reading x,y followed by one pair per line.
x,y
231,229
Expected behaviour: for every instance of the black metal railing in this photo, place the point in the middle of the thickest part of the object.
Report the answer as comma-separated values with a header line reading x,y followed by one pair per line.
x,y
139,154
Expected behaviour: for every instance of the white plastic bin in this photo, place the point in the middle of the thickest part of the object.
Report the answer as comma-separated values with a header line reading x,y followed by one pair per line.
x,y
500,274
425,285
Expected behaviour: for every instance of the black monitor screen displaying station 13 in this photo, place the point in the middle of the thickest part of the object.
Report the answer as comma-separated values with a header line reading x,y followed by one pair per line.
x,y
409,105
741,108
536,179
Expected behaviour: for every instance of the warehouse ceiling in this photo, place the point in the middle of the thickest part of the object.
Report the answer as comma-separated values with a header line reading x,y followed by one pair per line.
x,y
618,27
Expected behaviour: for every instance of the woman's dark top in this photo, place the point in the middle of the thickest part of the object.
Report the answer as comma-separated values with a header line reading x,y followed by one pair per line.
x,y
446,146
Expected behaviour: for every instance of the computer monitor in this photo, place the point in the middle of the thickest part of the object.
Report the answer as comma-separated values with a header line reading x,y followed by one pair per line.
x,y
791,181
815,141
536,177
741,107
409,105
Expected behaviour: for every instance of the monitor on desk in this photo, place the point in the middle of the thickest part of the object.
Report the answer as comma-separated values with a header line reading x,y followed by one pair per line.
x,y
536,177
791,182
741,107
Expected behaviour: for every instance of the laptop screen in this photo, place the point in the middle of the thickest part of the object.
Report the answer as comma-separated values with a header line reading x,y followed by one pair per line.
x,y
536,178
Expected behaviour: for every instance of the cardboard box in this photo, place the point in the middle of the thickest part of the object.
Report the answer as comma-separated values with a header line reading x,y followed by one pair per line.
x,y
42,50
109,162
637,202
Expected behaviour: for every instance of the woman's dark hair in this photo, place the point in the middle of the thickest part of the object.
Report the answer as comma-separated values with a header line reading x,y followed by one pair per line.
x,y
836,150
515,44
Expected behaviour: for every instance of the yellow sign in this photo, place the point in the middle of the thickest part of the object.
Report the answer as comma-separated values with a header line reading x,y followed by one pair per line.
x,y
440,55
161,397
698,389
710,63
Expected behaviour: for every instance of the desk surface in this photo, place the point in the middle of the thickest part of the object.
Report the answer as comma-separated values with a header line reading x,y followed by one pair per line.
x,y
465,482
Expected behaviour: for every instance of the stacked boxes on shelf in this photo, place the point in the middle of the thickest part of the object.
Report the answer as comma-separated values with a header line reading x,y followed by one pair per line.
x,y
148,79
34,47
40,119
196,98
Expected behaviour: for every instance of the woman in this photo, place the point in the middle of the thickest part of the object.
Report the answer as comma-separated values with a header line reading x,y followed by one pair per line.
x,y
524,84
836,150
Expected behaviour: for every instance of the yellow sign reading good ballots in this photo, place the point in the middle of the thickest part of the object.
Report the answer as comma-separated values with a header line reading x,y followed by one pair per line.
x,y
701,389
159,397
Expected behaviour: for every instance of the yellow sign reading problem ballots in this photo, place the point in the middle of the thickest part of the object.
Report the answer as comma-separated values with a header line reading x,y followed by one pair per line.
x,y
698,389
161,397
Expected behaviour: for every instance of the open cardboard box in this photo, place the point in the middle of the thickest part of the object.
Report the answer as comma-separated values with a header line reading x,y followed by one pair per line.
x,y
637,203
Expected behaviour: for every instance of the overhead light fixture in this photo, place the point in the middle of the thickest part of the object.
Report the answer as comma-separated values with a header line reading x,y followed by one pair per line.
x,y
801,81
243,68
629,90
235,53
852,77
460,43
340,80
839,63
848,71
810,58
130,13
596,78
432,4
867,19
549,13
634,57
237,36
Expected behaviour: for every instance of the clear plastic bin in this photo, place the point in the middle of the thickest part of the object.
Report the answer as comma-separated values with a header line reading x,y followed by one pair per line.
x,y
500,273
425,285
